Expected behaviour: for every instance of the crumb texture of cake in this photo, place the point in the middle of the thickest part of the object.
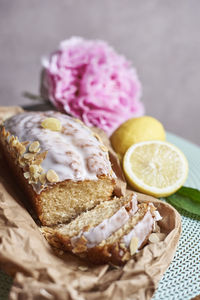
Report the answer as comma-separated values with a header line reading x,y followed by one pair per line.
x,y
111,232
61,163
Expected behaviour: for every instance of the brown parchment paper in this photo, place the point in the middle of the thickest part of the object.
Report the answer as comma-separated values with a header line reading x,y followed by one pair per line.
x,y
41,273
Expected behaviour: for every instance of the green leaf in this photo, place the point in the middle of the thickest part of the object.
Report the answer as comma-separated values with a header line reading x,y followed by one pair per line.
x,y
187,199
193,194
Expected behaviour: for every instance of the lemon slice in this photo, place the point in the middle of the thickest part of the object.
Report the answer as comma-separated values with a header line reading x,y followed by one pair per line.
x,y
156,168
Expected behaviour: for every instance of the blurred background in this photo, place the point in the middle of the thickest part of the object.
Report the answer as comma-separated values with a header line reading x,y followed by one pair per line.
x,y
160,38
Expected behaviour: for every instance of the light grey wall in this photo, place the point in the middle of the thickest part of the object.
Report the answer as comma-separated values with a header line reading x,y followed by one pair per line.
x,y
160,37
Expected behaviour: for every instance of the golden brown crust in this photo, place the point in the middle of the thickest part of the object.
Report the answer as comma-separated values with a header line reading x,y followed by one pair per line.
x,y
111,253
96,255
105,253
18,173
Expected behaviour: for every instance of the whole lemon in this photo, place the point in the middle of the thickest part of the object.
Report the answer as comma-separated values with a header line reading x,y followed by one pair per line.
x,y
136,130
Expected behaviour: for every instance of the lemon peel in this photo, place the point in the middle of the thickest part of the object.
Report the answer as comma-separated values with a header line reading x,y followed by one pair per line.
x,y
136,130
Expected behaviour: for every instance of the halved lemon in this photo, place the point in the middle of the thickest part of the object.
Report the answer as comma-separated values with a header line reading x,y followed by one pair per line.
x,y
156,168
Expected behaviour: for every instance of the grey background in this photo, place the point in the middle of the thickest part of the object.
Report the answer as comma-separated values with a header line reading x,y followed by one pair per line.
x,y
160,37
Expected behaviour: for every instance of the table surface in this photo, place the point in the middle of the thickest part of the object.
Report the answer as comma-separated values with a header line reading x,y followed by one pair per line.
x,y
181,280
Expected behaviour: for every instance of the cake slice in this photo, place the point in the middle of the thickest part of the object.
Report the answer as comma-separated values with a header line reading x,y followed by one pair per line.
x,y
111,232
61,164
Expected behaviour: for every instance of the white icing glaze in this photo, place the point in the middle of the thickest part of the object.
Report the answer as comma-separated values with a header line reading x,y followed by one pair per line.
x,y
134,205
74,153
102,231
141,230
157,215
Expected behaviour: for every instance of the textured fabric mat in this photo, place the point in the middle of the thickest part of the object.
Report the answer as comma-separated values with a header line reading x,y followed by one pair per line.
x,y
182,279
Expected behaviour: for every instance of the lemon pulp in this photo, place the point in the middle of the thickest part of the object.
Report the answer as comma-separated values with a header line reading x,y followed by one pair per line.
x,y
155,167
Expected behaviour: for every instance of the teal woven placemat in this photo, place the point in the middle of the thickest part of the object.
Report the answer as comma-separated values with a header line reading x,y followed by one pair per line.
x,y
182,279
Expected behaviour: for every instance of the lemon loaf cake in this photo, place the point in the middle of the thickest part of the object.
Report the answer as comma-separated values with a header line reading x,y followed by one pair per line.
x,y
112,232
61,164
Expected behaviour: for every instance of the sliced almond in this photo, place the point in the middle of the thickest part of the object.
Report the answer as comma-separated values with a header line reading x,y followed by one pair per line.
x,y
52,124
40,169
133,245
21,149
29,156
35,171
123,246
21,162
153,238
40,157
34,147
42,178
27,175
126,256
12,138
52,176
14,142
156,237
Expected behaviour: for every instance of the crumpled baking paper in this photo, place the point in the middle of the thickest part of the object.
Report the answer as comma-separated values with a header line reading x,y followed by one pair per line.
x,y
41,273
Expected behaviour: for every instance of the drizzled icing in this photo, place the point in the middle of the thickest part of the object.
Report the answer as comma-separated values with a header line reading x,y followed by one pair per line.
x,y
157,215
74,153
141,230
102,231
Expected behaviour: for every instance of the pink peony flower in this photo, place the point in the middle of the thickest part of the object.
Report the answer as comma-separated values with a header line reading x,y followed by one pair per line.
x,y
90,81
